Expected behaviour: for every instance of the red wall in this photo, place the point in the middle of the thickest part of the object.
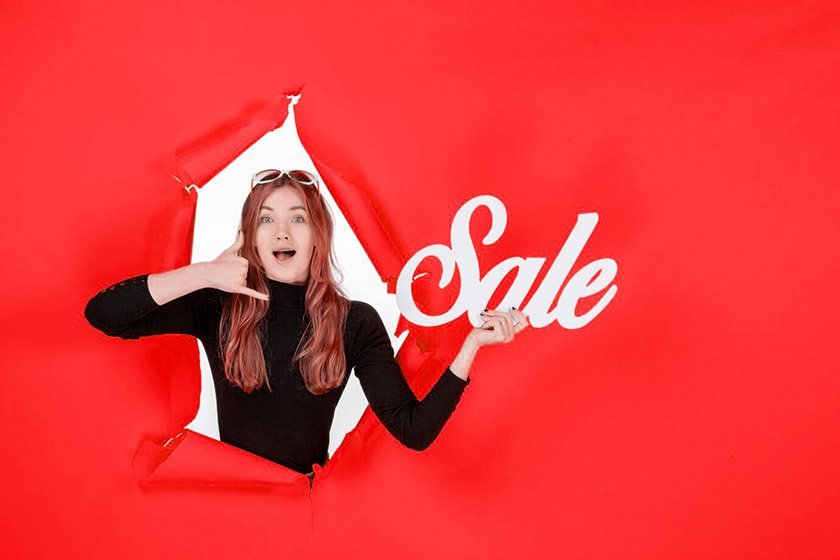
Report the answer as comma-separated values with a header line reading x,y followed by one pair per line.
x,y
695,417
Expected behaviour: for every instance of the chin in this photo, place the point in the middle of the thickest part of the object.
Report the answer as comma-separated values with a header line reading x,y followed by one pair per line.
x,y
287,277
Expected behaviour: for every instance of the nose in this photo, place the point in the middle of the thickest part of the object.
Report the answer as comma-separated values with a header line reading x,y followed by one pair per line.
x,y
282,233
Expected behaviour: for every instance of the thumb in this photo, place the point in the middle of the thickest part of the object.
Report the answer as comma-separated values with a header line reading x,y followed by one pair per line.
x,y
240,240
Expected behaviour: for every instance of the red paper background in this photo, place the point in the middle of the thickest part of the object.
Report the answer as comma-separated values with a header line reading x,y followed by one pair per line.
x,y
698,416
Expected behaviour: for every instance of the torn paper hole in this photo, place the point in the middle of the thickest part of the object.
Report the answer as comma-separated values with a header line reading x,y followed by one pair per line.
x,y
218,208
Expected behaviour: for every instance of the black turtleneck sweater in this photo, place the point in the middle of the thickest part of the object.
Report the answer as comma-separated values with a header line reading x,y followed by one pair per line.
x,y
290,425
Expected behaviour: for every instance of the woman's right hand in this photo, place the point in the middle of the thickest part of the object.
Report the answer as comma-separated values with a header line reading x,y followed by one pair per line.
x,y
229,272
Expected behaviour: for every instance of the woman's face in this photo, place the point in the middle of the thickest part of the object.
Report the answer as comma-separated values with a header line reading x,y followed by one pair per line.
x,y
283,223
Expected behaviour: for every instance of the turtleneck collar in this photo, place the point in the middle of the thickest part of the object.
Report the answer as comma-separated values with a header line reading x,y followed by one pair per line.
x,y
286,296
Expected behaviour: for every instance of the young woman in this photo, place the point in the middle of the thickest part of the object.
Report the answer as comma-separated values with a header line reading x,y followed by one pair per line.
x,y
282,337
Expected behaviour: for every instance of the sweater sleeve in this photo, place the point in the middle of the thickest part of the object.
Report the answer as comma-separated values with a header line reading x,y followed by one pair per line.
x,y
127,310
415,424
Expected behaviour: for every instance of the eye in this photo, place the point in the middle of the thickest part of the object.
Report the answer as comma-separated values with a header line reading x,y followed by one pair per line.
x,y
261,219
302,220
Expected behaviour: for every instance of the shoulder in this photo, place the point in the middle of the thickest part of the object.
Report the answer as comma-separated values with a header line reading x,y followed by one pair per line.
x,y
364,329
361,309
365,332
361,316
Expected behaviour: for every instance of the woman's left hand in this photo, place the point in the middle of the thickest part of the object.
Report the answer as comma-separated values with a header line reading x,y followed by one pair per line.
x,y
499,327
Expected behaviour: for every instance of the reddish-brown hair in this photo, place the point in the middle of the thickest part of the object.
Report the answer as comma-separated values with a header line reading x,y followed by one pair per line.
x,y
320,354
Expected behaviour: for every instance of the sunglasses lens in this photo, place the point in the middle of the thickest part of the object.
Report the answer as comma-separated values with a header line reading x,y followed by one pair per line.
x,y
267,176
302,177
270,175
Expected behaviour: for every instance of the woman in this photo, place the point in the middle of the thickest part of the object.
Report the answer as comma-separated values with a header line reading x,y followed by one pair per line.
x,y
282,337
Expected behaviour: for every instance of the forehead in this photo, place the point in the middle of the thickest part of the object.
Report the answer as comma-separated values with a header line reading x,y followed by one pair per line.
x,y
284,198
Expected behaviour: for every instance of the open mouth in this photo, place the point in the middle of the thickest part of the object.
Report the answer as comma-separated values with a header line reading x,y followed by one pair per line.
x,y
284,255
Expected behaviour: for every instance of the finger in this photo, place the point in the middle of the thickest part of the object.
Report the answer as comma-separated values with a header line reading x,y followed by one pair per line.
x,y
510,320
492,313
516,320
522,320
521,325
496,312
497,325
506,321
253,293
507,327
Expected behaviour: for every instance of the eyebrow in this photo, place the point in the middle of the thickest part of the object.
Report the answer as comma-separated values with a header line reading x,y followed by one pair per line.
x,y
292,208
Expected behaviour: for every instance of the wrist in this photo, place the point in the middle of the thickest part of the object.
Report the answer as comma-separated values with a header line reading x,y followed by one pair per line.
x,y
472,343
463,361
201,276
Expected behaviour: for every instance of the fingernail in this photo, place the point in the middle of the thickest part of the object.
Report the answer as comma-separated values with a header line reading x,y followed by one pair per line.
x,y
485,309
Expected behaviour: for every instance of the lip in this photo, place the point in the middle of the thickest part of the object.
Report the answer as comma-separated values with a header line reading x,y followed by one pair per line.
x,y
276,252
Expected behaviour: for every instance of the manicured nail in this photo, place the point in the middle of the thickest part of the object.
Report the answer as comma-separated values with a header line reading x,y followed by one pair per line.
x,y
485,309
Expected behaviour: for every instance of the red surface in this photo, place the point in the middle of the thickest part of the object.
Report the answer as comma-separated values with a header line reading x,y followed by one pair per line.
x,y
697,416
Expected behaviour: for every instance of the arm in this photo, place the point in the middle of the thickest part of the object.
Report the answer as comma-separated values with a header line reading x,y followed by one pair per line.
x,y
170,285
414,423
172,302
462,362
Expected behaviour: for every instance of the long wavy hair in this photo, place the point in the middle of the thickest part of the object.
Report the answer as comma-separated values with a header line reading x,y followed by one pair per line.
x,y
320,353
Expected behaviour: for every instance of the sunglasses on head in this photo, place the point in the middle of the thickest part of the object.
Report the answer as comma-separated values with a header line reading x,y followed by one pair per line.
x,y
271,175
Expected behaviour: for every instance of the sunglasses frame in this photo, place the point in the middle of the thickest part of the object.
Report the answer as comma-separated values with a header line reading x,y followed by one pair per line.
x,y
312,180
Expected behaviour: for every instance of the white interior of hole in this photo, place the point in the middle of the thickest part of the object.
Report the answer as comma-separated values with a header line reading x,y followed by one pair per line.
x,y
217,221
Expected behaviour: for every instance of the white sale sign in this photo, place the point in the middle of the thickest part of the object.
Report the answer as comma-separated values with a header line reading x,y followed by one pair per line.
x,y
476,291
